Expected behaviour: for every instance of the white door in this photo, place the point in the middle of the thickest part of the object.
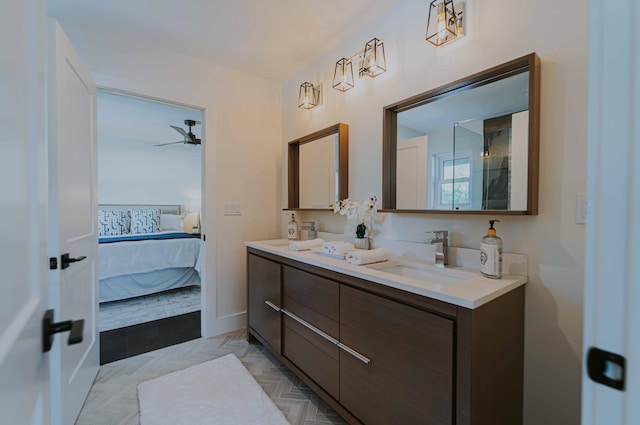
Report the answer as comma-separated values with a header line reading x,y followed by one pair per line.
x,y
612,250
411,177
24,368
72,213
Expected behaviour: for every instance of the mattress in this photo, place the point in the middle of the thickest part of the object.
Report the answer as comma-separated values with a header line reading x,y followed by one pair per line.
x,y
135,265
139,284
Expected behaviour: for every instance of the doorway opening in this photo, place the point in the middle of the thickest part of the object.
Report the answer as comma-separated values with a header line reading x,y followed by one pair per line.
x,y
150,193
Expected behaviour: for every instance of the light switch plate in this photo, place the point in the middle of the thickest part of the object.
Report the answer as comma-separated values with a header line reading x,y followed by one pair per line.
x,y
232,208
581,209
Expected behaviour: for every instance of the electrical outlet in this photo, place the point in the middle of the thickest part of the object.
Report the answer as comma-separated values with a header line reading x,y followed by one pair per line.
x,y
232,208
581,209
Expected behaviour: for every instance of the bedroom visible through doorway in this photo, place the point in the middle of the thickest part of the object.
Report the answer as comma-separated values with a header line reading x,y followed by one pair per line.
x,y
150,193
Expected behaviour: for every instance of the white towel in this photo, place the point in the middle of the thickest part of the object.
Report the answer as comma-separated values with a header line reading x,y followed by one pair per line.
x,y
304,245
326,247
342,248
363,256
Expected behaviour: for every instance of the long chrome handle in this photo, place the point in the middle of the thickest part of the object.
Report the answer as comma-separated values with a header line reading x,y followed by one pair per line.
x,y
327,337
354,353
272,305
311,327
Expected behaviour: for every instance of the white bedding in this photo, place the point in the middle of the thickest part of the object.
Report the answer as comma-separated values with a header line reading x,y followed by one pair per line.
x,y
130,257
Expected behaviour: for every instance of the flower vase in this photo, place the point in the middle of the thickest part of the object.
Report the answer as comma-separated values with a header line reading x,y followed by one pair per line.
x,y
361,242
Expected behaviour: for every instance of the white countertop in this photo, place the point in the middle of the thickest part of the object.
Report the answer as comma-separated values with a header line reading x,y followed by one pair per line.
x,y
470,293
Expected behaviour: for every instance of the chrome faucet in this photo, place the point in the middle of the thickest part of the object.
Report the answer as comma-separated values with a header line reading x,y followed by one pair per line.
x,y
441,238
310,227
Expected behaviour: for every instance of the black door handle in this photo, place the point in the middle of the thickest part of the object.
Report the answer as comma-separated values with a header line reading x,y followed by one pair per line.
x,y
49,329
606,368
65,260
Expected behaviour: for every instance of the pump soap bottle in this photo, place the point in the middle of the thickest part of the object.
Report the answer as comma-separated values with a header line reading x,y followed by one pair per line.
x,y
491,253
292,228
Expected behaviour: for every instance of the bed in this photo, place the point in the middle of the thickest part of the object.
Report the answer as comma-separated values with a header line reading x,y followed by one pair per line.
x,y
143,263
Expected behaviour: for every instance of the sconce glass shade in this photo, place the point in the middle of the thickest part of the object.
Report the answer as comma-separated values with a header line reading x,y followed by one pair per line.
x,y
373,61
442,22
308,97
343,75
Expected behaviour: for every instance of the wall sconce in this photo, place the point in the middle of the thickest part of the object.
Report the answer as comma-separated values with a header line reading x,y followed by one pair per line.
x,y
343,75
309,96
371,60
444,24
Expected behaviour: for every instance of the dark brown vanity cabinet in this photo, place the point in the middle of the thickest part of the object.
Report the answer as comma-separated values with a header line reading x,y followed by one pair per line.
x,y
409,376
311,327
264,293
379,355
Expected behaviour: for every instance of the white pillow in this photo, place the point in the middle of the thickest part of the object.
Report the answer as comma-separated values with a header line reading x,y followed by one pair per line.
x,y
171,222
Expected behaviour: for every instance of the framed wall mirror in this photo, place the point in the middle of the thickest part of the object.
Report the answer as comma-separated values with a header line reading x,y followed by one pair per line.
x,y
319,168
467,147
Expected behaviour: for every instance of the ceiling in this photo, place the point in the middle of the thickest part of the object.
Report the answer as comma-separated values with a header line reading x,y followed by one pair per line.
x,y
274,39
130,123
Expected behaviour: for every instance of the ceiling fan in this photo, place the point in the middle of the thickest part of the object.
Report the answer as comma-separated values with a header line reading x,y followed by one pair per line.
x,y
189,137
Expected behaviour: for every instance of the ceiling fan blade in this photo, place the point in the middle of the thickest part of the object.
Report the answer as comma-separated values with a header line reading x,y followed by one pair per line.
x,y
179,130
165,144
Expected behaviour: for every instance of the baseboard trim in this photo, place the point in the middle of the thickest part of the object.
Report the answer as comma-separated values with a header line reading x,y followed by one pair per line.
x,y
224,324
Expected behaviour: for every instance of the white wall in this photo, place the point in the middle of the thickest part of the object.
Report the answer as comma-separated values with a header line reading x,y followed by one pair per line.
x,y
131,170
242,134
498,31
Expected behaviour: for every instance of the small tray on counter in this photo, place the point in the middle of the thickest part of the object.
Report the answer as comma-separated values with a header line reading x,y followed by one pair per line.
x,y
328,254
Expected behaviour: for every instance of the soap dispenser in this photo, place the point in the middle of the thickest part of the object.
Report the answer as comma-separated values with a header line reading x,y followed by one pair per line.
x,y
491,253
292,228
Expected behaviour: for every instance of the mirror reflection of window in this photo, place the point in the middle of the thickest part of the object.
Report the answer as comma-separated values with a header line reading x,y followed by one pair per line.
x,y
453,181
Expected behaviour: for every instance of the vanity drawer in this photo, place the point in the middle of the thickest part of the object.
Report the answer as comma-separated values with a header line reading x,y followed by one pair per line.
x,y
314,299
316,356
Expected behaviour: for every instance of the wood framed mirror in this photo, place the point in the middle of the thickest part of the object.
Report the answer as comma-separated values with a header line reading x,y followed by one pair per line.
x,y
319,169
470,146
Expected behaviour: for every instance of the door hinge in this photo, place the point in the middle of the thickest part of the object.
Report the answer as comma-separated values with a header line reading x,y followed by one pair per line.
x,y
53,263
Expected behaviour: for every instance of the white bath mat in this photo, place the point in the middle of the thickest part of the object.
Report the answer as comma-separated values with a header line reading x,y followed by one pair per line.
x,y
218,392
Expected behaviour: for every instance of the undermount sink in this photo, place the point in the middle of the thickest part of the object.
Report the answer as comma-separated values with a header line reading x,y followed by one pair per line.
x,y
423,272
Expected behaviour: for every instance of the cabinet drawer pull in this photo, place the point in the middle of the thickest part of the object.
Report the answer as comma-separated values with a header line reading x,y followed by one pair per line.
x,y
311,327
354,353
272,305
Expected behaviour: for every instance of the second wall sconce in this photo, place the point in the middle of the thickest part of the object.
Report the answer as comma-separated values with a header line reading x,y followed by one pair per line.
x,y
372,62
444,24
309,96
343,75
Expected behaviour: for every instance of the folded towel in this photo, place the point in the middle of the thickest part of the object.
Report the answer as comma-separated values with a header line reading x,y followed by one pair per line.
x,y
303,245
363,256
342,248
326,247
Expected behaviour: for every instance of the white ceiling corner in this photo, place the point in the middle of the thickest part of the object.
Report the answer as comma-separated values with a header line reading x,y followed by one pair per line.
x,y
274,39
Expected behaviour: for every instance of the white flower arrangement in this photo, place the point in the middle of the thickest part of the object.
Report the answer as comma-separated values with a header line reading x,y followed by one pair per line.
x,y
365,211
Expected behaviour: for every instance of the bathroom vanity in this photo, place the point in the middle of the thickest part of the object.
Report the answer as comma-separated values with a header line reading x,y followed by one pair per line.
x,y
382,348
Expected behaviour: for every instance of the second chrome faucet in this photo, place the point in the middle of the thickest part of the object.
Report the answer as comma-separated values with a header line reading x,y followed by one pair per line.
x,y
441,239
